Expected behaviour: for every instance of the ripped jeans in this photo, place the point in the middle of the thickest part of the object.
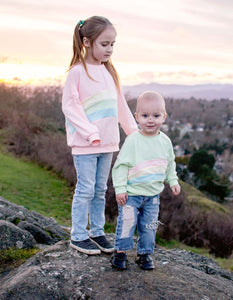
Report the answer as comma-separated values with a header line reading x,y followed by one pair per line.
x,y
142,211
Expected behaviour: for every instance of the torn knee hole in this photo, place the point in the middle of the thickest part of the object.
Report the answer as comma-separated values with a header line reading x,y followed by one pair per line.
x,y
154,225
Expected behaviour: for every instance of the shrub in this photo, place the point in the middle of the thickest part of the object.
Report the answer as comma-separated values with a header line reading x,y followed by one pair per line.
x,y
193,226
200,158
182,160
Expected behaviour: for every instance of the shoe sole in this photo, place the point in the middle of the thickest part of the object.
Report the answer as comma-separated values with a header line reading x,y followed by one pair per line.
x,y
106,250
117,268
86,251
140,265
147,269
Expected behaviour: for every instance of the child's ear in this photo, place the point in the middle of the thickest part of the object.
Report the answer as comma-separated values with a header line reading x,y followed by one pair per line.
x,y
136,116
86,42
164,117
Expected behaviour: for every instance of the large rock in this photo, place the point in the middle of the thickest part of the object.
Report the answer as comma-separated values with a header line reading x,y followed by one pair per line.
x,y
60,272
13,236
29,224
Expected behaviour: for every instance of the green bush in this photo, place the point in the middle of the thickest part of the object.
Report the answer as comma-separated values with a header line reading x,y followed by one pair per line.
x,y
201,159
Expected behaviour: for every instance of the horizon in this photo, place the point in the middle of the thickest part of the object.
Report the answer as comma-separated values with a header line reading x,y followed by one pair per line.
x,y
174,42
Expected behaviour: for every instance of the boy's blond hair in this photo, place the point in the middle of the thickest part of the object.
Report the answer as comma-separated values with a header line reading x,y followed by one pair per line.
x,y
150,95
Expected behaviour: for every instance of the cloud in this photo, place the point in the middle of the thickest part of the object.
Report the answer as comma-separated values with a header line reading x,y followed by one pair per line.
x,y
172,33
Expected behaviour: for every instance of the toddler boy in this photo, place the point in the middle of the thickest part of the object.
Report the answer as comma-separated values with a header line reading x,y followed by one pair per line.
x,y
145,161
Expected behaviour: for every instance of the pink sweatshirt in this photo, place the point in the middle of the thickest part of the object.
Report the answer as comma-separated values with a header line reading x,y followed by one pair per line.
x,y
92,110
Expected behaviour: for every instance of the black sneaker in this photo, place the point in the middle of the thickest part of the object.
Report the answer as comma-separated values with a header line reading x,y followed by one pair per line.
x,y
102,244
119,260
85,246
145,262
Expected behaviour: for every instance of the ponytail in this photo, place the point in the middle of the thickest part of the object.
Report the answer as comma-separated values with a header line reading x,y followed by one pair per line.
x,y
91,28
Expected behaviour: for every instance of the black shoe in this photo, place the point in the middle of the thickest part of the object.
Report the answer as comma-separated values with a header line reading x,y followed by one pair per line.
x,y
102,244
145,262
119,261
85,246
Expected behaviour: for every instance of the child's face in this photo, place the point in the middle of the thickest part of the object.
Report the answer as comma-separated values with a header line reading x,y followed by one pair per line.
x,y
150,115
102,48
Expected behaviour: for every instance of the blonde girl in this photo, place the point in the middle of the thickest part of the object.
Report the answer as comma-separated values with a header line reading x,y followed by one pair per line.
x,y
93,104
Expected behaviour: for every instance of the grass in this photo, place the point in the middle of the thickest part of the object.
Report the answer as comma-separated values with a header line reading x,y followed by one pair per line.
x,y
12,258
35,188
197,198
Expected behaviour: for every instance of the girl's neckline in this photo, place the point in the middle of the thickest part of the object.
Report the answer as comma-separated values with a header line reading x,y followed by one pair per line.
x,y
95,66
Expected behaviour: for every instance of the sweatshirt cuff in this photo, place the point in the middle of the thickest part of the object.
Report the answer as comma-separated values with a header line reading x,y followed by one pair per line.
x,y
93,137
173,182
120,190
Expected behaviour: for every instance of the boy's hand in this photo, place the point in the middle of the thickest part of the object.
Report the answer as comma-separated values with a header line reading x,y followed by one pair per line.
x,y
122,198
175,189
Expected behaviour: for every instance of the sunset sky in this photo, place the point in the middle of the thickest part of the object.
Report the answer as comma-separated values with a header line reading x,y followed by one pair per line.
x,y
168,41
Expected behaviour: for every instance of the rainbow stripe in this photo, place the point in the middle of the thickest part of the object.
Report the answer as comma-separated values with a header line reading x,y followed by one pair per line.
x,y
72,128
101,105
147,171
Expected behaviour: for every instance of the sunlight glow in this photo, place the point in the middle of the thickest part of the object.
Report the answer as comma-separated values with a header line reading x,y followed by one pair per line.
x,y
130,74
31,74
136,73
169,41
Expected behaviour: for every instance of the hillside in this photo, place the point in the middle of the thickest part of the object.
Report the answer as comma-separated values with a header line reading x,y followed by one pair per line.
x,y
27,184
39,189
32,128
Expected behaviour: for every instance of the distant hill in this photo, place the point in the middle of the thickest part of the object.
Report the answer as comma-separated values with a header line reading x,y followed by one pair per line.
x,y
199,91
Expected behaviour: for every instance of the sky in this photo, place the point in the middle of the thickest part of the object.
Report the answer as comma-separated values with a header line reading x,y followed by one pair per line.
x,y
169,41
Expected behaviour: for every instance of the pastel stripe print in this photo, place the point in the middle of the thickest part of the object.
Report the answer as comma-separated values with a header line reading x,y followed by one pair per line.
x,y
147,178
72,128
100,106
150,170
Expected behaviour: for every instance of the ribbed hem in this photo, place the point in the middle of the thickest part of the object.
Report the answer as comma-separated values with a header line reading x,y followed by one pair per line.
x,y
94,149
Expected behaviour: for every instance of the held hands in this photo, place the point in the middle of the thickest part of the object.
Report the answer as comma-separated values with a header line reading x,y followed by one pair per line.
x,y
175,189
122,198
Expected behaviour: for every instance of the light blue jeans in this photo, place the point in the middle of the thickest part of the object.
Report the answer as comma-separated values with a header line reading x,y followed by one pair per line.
x,y
140,211
89,197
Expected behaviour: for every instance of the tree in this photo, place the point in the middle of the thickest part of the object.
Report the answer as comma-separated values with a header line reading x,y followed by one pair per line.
x,y
206,179
198,160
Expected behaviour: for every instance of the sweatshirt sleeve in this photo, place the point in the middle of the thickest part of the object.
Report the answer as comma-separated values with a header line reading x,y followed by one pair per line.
x,y
125,116
73,109
120,169
171,176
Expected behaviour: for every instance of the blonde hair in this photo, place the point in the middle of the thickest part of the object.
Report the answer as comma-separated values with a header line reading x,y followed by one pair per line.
x,y
91,28
150,95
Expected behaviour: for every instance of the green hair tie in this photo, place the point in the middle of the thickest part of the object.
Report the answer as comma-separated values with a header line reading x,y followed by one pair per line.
x,y
81,23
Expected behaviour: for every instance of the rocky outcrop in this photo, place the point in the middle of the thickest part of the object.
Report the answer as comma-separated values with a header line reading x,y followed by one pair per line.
x,y
22,228
60,272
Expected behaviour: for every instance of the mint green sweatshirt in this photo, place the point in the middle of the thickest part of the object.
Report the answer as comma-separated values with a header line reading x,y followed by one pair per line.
x,y
143,164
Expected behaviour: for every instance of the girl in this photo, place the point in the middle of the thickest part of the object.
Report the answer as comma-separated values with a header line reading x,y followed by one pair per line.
x,y
93,104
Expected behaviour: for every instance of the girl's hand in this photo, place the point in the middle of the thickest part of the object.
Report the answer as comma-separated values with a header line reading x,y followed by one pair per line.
x,y
176,189
122,198
95,143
